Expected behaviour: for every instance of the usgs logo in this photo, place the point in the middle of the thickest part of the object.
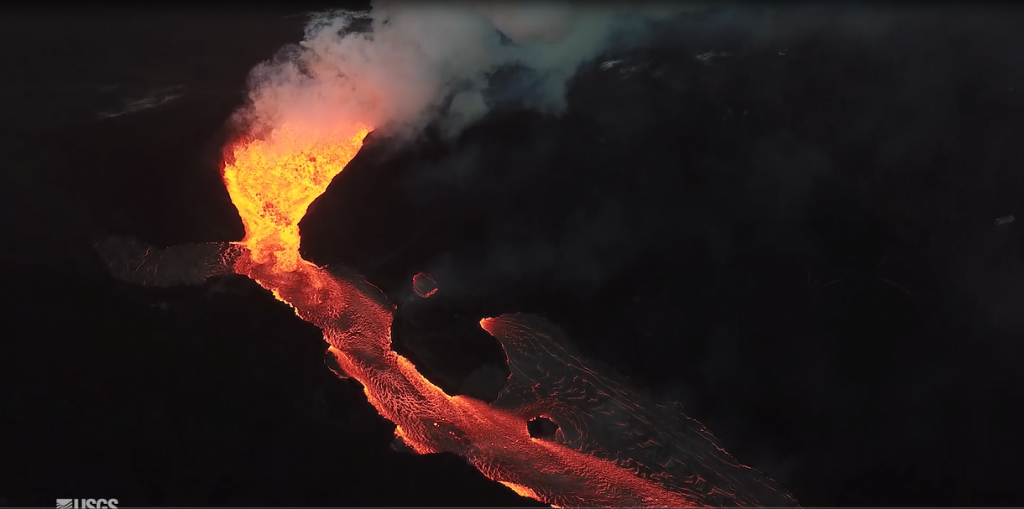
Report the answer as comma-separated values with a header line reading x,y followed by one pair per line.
x,y
86,503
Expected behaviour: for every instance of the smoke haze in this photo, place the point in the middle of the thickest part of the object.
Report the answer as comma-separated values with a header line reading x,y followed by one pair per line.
x,y
424,62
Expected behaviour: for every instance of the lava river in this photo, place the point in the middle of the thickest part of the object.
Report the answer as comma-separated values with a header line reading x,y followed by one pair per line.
x,y
615,447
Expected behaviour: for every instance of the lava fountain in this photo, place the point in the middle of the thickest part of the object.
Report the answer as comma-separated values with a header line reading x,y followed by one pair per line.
x,y
273,181
614,447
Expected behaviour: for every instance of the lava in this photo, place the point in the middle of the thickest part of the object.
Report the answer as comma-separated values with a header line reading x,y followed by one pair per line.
x,y
357,325
424,285
613,447
273,181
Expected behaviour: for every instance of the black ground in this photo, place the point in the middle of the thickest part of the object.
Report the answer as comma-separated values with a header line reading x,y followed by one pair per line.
x,y
796,241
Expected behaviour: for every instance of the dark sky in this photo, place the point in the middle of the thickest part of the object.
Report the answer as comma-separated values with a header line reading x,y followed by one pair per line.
x,y
797,241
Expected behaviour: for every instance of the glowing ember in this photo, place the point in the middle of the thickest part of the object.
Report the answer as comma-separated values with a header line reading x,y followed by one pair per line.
x,y
424,285
610,446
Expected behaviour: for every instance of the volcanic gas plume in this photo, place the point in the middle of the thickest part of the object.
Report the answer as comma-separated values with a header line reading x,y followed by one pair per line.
x,y
614,446
421,63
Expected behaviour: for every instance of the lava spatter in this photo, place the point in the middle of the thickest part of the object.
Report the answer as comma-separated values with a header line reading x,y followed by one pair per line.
x,y
612,447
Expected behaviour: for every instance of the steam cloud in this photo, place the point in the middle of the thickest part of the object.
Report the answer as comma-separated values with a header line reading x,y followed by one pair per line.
x,y
425,62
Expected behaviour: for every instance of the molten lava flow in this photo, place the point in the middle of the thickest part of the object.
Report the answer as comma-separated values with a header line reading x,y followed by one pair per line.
x,y
272,182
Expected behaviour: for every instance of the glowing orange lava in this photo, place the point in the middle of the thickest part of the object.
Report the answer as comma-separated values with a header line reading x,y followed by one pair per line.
x,y
273,182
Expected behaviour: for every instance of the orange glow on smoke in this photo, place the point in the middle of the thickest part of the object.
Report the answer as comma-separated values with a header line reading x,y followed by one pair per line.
x,y
273,182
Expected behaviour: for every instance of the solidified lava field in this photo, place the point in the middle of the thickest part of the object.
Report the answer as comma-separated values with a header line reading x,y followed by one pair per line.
x,y
792,235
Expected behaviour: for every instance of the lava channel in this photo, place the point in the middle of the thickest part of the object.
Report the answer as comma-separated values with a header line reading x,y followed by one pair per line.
x,y
614,447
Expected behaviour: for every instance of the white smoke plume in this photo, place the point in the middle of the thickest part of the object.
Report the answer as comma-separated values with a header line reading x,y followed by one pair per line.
x,y
423,62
